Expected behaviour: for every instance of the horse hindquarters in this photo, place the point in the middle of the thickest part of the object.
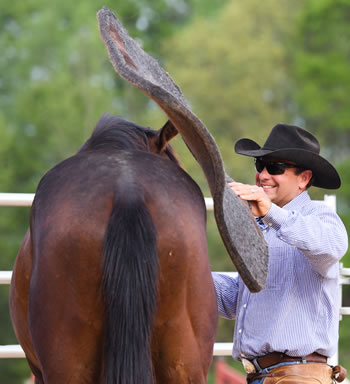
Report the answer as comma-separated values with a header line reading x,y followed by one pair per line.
x,y
186,319
18,303
186,322
130,290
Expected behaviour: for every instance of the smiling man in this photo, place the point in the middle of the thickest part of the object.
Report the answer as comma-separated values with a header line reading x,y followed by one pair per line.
x,y
286,332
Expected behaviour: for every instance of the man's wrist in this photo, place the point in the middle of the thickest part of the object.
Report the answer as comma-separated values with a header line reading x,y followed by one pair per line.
x,y
275,216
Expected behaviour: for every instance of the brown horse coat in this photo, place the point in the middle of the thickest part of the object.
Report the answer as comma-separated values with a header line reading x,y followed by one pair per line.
x,y
59,311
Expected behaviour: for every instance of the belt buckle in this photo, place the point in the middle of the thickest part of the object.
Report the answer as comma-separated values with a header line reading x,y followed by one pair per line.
x,y
248,366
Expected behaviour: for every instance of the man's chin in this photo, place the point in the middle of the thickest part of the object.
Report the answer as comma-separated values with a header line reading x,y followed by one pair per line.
x,y
271,194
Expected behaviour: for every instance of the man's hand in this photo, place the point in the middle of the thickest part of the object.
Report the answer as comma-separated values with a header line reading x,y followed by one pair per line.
x,y
259,201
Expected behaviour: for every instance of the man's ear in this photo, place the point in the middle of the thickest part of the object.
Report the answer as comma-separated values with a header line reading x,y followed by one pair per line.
x,y
306,176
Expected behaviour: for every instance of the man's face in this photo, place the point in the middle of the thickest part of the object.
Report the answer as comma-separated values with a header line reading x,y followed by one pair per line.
x,y
281,189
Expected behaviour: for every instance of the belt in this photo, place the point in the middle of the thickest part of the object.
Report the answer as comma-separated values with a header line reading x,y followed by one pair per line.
x,y
274,358
279,357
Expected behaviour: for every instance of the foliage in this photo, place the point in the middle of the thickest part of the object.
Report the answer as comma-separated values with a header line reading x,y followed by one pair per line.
x,y
321,65
320,62
233,71
238,73
322,81
55,82
235,61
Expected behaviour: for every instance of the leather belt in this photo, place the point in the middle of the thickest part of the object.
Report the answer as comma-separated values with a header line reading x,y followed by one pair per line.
x,y
274,358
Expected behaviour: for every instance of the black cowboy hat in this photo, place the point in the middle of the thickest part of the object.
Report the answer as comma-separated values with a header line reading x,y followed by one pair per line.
x,y
292,143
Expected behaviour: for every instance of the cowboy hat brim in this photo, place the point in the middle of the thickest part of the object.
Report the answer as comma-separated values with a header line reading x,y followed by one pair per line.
x,y
325,175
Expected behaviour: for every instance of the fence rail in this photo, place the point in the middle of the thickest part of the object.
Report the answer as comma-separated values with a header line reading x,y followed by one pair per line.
x,y
16,199
220,349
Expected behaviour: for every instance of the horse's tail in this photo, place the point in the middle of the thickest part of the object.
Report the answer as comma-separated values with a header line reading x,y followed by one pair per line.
x,y
130,283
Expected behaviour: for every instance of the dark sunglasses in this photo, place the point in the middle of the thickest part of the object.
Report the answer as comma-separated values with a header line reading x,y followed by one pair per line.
x,y
273,168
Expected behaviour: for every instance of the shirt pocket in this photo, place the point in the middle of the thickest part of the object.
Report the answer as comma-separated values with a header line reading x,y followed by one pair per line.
x,y
280,272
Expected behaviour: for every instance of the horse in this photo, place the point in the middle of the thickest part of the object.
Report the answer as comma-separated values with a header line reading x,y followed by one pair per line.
x,y
112,282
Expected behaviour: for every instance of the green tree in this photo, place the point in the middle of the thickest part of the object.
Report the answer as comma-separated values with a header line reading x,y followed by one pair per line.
x,y
321,63
238,73
55,82
234,69
319,57
232,59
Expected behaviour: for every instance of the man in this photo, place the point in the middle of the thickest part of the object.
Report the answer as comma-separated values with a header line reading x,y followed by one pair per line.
x,y
286,332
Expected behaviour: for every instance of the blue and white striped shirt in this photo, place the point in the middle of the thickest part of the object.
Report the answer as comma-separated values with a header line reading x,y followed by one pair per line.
x,y
298,310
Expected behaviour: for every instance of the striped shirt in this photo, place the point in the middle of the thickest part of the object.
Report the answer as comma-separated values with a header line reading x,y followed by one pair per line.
x,y
298,310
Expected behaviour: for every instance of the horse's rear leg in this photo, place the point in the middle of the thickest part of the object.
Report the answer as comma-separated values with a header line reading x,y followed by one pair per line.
x,y
68,348
19,296
182,359
66,314
183,338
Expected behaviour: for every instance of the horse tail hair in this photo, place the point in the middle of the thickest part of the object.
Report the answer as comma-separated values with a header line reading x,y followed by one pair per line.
x,y
130,281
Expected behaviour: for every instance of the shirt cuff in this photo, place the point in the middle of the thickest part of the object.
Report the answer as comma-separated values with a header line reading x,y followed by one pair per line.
x,y
275,217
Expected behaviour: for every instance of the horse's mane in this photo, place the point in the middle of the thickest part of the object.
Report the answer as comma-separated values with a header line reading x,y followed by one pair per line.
x,y
114,132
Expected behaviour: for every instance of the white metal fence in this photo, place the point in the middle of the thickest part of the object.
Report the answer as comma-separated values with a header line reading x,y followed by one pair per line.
x,y
220,349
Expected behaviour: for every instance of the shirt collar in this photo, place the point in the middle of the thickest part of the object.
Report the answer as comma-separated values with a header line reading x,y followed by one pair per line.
x,y
298,201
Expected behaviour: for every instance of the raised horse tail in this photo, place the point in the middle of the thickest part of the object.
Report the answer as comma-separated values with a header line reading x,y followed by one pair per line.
x,y
130,283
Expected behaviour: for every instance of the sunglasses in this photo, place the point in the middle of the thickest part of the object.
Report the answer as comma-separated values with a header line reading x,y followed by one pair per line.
x,y
273,168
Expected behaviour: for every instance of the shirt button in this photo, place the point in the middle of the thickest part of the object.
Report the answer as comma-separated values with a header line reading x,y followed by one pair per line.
x,y
270,224
240,331
245,306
